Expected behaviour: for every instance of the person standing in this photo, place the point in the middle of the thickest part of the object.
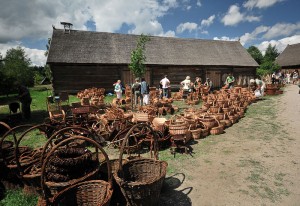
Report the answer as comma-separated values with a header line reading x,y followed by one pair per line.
x,y
209,85
118,89
186,83
295,77
230,80
261,86
136,90
145,91
165,82
25,99
288,77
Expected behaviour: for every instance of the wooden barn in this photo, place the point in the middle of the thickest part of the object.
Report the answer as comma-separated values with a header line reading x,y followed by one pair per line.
x,y
84,59
289,59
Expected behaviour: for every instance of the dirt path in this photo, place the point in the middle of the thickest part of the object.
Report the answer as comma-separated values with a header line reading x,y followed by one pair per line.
x,y
256,162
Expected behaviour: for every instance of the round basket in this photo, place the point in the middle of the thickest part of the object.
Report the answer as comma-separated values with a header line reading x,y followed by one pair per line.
x,y
217,130
196,133
209,121
141,179
177,129
50,189
93,192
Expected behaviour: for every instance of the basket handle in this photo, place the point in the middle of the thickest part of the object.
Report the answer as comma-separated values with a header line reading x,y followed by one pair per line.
x,y
40,126
98,146
49,142
11,131
155,145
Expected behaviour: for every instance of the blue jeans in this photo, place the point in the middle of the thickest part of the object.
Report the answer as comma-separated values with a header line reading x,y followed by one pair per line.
x,y
165,92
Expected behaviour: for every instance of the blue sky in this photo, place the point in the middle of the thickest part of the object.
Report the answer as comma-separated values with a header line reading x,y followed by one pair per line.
x,y
252,22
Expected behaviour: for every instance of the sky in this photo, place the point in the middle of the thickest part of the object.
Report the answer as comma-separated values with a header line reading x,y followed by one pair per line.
x,y
258,23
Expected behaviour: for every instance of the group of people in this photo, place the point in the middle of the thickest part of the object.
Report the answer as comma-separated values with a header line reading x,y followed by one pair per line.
x,y
140,91
286,78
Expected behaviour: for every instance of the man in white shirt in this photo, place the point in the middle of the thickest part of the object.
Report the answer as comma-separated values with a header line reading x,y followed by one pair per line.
x,y
165,82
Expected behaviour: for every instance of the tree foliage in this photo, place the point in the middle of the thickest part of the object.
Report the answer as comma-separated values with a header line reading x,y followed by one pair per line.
x,y
256,54
271,54
16,69
138,57
266,62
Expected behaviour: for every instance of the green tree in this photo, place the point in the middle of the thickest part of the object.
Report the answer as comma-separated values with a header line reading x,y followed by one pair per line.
x,y
17,67
271,54
47,69
266,68
256,54
138,57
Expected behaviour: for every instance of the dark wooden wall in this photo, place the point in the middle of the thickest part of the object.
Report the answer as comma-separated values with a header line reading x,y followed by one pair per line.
x,y
73,78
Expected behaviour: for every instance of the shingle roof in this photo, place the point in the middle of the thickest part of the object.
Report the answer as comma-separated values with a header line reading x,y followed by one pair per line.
x,y
112,48
290,56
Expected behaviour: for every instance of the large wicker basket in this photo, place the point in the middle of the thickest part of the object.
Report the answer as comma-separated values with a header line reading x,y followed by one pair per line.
x,y
50,189
141,179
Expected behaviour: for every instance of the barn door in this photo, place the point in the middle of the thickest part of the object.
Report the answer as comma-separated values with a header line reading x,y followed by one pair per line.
x,y
215,77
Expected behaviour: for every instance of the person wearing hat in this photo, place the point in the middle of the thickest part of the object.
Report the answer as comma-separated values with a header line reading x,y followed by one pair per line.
x,y
209,84
136,90
186,86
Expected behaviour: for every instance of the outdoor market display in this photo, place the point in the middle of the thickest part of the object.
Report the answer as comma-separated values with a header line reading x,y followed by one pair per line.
x,y
72,167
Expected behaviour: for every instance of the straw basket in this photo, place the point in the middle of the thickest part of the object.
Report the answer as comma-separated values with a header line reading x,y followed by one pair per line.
x,y
159,123
93,192
141,179
209,121
51,188
217,130
141,117
196,133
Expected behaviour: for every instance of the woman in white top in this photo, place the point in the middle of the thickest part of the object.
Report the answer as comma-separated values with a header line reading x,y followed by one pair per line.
x,y
186,83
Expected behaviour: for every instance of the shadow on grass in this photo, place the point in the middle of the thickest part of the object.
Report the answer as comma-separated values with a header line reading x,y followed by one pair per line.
x,y
170,196
37,117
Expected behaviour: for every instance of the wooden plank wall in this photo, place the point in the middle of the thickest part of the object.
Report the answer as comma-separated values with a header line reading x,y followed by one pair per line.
x,y
175,74
73,78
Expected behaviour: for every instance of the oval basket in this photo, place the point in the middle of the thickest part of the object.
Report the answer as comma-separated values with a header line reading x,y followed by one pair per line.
x,y
54,191
141,179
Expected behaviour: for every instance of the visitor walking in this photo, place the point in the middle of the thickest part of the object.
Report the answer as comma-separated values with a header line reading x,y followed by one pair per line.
x,y
25,99
165,82
118,89
145,91
136,90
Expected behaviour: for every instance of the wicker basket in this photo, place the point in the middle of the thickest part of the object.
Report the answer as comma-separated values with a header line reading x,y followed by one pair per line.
x,y
196,133
209,121
93,192
217,130
50,189
141,179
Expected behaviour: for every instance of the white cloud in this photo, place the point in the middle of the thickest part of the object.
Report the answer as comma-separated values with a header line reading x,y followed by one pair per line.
x,y
204,32
209,21
250,4
168,34
282,29
226,38
199,3
33,19
234,16
189,26
36,56
248,37
188,7
280,44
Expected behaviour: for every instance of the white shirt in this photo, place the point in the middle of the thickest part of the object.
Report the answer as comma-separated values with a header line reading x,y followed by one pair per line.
x,y
165,83
186,84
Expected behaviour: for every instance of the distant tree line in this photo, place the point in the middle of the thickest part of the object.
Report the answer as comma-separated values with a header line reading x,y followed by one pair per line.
x,y
266,62
16,68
